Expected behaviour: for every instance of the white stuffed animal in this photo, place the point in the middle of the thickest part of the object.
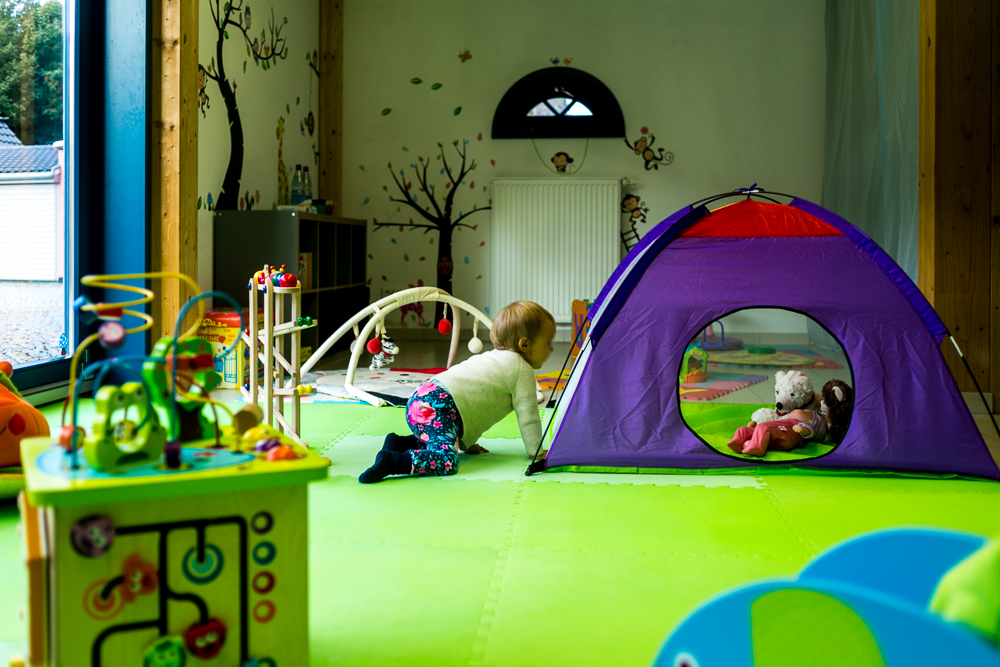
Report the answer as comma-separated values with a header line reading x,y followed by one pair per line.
x,y
792,391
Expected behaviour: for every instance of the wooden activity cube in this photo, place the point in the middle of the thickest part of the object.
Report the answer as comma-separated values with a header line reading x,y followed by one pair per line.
x,y
166,568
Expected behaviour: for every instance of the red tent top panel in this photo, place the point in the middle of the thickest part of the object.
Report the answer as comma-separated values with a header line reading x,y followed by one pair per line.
x,y
749,218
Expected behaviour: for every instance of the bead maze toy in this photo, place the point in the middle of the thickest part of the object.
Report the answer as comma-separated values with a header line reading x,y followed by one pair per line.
x,y
171,538
274,285
376,313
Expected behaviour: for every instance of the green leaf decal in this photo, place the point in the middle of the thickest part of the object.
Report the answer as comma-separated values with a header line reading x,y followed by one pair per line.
x,y
458,110
436,86
416,81
386,111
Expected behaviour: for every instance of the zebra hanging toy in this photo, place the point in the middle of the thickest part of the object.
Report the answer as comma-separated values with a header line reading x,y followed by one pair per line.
x,y
382,347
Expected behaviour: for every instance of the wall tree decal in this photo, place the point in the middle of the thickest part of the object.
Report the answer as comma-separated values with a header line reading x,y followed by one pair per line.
x,y
440,219
265,51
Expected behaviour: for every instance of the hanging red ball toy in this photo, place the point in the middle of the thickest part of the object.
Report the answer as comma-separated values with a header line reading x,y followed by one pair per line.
x,y
444,326
374,346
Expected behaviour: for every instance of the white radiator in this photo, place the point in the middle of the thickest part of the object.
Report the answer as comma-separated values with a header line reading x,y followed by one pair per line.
x,y
552,241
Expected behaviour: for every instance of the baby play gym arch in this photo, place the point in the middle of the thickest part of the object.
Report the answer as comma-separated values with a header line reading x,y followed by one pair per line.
x,y
376,313
558,103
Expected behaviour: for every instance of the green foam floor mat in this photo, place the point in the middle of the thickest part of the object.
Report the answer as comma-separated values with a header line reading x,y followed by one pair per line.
x,y
491,568
352,454
715,423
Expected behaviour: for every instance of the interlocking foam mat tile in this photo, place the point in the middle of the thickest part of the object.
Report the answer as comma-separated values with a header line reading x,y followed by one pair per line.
x,y
386,604
351,455
593,608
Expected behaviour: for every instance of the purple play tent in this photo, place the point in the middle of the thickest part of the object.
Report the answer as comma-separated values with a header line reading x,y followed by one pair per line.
x,y
621,405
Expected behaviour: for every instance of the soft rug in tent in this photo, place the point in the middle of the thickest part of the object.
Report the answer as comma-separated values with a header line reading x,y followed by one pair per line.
x,y
621,406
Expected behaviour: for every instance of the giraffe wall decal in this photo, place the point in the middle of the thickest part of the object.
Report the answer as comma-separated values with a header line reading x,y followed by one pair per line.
x,y
282,172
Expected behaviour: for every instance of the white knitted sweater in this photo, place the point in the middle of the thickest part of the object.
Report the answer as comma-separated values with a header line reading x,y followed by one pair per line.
x,y
487,387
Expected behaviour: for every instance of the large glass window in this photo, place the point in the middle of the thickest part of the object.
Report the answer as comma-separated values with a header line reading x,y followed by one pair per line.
x,y
33,315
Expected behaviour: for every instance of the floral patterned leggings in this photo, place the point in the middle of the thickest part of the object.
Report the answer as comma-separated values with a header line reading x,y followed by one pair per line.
x,y
434,420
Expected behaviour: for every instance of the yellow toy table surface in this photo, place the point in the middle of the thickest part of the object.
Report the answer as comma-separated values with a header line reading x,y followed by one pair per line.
x,y
52,481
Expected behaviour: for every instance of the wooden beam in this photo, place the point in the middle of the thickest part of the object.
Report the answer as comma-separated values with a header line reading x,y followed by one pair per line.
x,y
174,233
331,101
955,185
995,218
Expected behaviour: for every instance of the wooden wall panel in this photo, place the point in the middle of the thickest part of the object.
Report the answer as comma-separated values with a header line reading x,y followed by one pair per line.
x,y
331,96
995,218
955,188
174,233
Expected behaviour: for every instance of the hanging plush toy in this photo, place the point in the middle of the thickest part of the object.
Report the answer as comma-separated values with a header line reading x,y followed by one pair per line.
x,y
475,345
383,358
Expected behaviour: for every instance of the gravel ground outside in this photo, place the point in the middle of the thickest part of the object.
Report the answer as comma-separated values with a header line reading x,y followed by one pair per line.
x,y
31,321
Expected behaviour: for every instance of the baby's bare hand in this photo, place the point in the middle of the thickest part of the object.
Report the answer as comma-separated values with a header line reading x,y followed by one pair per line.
x,y
476,449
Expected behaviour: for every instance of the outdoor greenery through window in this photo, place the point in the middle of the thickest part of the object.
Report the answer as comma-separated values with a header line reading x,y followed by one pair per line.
x,y
32,226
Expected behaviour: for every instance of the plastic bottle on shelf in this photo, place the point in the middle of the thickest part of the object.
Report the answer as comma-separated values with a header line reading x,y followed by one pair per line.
x,y
307,184
298,187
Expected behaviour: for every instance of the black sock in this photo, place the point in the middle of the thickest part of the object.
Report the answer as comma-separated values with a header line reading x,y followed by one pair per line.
x,y
387,463
400,443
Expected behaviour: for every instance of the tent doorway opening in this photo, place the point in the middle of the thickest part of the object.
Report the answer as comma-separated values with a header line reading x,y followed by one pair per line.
x,y
758,365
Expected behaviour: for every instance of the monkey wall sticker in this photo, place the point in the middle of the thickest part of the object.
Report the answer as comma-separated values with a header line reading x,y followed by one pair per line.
x,y
562,162
652,159
202,95
635,208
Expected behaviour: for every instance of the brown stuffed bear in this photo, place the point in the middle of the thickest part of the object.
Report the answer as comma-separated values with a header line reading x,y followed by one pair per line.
x,y
838,404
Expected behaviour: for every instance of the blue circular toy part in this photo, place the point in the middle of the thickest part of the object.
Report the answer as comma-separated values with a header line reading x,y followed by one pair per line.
x,y
202,573
270,551
260,518
863,575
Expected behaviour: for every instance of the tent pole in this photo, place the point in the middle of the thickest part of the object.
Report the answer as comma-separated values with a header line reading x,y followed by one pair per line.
x,y
989,410
552,404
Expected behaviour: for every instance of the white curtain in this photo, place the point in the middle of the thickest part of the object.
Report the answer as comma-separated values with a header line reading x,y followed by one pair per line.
x,y
870,171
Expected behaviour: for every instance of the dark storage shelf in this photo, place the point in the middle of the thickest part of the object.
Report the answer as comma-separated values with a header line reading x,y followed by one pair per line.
x,y
245,240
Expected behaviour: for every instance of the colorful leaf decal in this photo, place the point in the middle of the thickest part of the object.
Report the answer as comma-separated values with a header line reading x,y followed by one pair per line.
x,y
466,259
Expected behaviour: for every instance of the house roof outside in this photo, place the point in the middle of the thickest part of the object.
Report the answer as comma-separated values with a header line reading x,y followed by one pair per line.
x,y
7,136
27,159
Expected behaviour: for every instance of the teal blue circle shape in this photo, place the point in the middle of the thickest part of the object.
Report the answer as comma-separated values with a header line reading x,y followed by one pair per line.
x,y
270,552
206,572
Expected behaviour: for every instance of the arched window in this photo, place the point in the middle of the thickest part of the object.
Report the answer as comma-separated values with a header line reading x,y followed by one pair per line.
x,y
557,103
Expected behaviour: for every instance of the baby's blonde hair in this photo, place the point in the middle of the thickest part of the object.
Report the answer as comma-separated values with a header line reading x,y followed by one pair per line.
x,y
521,319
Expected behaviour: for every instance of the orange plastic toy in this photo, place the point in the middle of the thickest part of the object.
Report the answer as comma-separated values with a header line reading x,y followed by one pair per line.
x,y
18,420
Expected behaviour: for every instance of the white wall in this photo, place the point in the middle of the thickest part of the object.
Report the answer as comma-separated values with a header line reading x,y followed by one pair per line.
x,y
29,216
735,91
289,91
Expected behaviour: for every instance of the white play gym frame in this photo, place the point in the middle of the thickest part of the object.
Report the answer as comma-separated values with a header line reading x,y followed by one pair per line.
x,y
376,313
